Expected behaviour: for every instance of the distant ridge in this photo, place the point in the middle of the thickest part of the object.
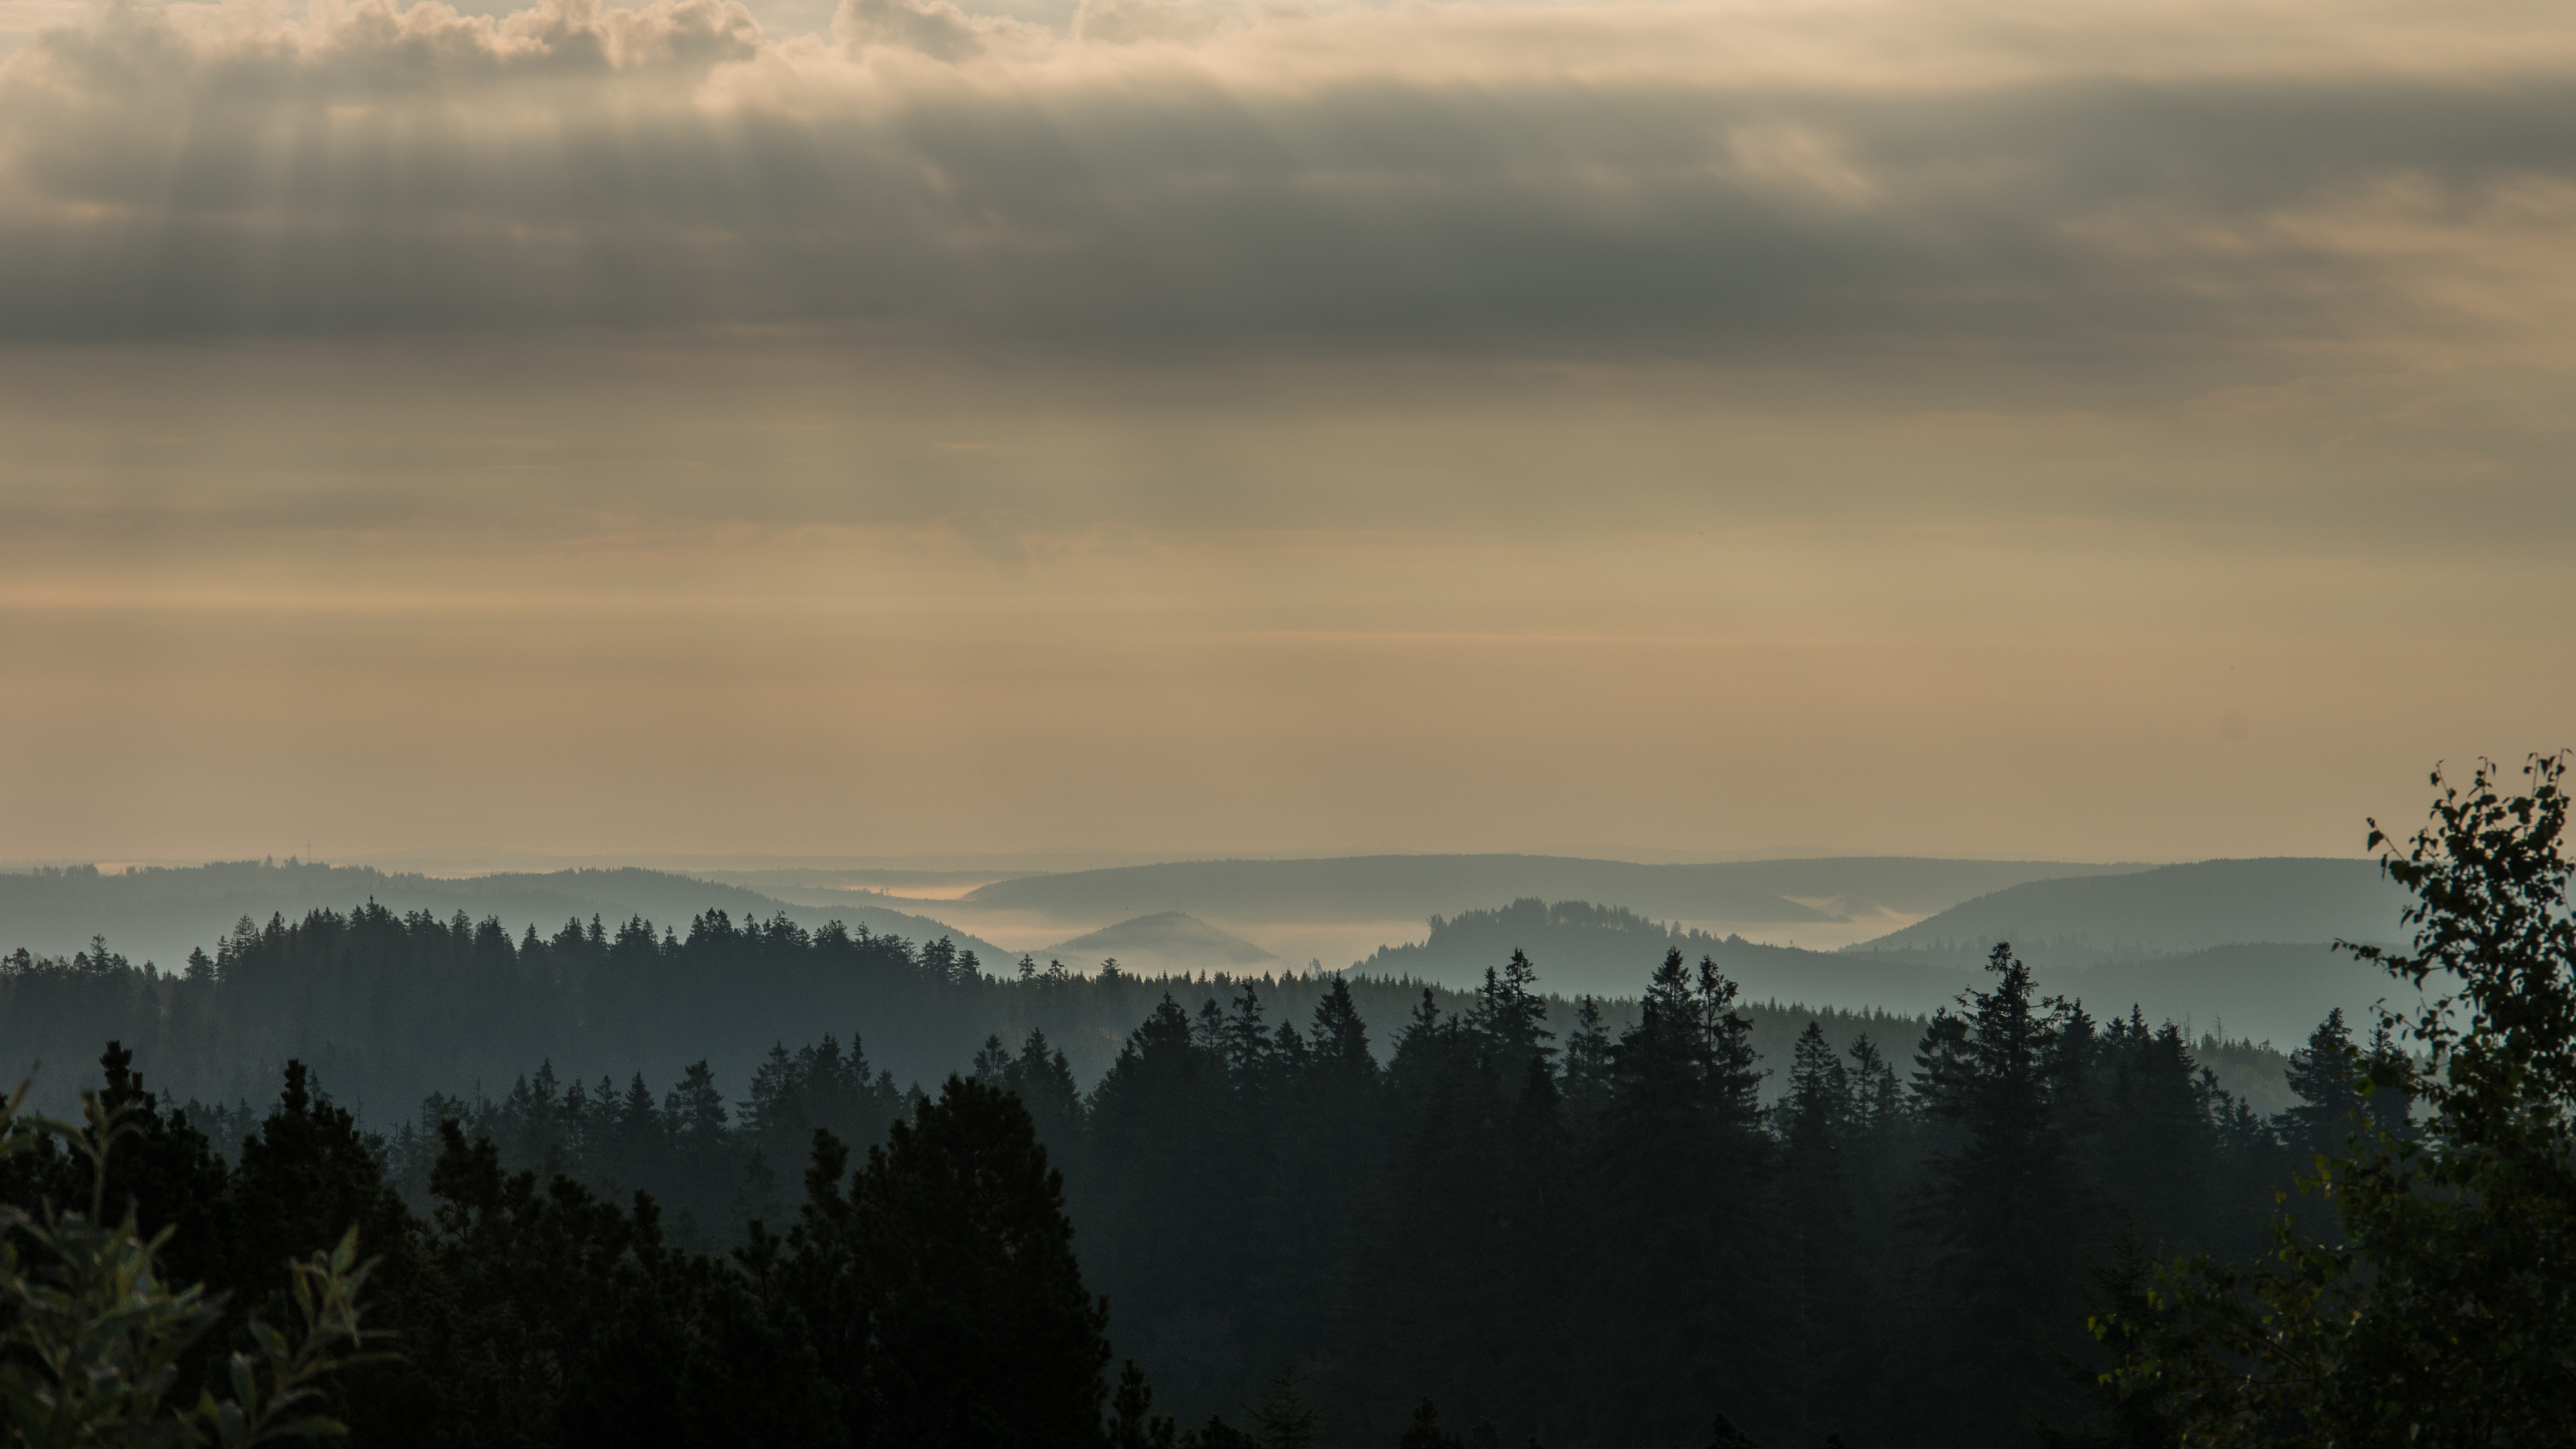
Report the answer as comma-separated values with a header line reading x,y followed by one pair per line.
x,y
1582,949
1414,887
159,913
2275,991
2170,909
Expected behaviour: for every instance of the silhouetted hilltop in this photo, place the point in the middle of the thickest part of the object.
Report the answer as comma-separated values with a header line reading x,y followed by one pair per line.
x,y
2169,909
1587,949
1167,941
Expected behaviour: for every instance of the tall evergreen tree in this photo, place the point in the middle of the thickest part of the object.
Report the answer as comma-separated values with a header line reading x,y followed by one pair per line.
x,y
2325,1074
985,1333
1827,1293
1157,1122
2012,1213
1683,1283
1587,1063
1340,1040
1511,1018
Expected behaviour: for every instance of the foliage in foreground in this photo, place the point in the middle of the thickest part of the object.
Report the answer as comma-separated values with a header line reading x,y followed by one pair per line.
x,y
2446,1313
100,1344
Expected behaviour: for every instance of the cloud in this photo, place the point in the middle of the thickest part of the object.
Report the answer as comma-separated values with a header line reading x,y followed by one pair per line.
x,y
1127,22
934,28
1802,183
1231,422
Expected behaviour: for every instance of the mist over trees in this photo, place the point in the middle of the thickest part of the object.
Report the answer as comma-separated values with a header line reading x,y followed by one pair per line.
x,y
1518,1220
1583,1230
387,1009
160,913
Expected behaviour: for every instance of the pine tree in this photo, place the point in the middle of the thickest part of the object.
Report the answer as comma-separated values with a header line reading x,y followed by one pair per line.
x,y
1510,1019
2011,1212
1043,1081
985,1333
1685,1284
1133,1423
2326,1075
641,1138
1158,1193
306,1178
694,1109
703,1161
1340,1039
1831,1320
1878,1101
1283,1418
992,1063
2389,1080
2153,1132
1587,1063
1246,1041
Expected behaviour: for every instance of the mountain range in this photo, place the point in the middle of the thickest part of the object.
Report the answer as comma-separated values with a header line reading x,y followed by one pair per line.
x,y
1414,887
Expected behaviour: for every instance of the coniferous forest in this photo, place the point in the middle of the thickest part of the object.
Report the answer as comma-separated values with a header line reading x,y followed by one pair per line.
x,y
1517,1222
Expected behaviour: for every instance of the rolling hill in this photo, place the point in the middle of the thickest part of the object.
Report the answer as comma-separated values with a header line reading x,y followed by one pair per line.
x,y
2259,991
1167,942
1414,887
2169,909
159,913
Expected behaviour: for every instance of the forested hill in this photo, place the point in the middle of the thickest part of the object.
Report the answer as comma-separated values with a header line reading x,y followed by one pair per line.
x,y
159,914
2258,992
1586,948
1508,1207
389,1009
2169,909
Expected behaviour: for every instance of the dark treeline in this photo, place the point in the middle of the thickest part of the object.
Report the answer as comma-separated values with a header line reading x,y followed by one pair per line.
x,y
1596,1236
387,1009
1585,1231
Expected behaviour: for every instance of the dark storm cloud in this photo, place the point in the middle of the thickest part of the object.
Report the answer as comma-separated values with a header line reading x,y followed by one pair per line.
x,y
1469,179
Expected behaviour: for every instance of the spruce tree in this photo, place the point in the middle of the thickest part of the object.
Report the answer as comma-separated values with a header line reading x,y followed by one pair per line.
x,y
1340,1041
1684,1282
1827,1296
2011,1214
985,1334
1587,1063
1158,1191
2325,1074
1510,1019
1043,1080
1247,1043
1133,1423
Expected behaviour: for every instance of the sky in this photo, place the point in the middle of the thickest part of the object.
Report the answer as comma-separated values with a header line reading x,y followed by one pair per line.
x,y
2072,430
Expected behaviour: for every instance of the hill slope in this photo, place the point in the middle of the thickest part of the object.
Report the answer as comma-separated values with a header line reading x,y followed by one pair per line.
x,y
2171,908
2256,991
1401,887
158,914
1167,942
